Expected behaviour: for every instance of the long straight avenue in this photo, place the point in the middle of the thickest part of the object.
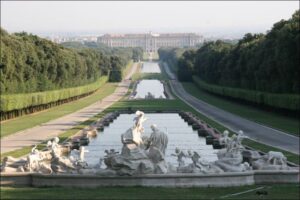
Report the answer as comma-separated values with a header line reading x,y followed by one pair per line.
x,y
253,130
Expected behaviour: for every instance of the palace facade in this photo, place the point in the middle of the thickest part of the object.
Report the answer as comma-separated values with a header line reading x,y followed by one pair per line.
x,y
151,42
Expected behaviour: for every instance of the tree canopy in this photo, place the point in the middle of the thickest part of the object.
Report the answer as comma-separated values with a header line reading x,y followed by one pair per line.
x,y
263,62
32,64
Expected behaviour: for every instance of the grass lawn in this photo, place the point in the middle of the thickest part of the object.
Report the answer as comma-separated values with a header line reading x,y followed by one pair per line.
x,y
287,124
127,68
29,121
287,191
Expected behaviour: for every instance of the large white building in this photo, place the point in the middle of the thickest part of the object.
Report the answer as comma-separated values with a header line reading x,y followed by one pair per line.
x,y
151,42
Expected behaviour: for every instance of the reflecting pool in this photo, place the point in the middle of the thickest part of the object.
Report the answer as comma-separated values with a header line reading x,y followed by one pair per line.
x,y
150,67
154,87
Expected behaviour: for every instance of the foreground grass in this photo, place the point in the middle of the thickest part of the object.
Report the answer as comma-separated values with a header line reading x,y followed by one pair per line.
x,y
287,124
29,121
287,191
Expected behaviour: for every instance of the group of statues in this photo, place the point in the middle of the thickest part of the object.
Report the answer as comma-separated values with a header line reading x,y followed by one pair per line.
x,y
53,159
198,164
140,154
231,158
143,154
233,155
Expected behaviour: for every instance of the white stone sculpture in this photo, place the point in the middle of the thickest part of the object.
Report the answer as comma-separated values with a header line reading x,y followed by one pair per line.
x,y
48,161
140,154
225,139
230,159
198,162
271,161
158,139
33,160
134,134
180,155
55,148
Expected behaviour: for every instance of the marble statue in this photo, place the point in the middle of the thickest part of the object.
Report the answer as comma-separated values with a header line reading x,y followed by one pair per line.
x,y
140,154
47,161
157,145
158,139
134,134
180,155
225,139
198,162
139,120
271,161
230,158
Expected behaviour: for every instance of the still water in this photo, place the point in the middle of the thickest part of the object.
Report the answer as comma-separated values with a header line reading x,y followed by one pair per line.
x,y
155,87
180,135
150,67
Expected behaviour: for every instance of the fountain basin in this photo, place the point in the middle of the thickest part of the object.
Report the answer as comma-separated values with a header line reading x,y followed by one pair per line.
x,y
150,67
153,180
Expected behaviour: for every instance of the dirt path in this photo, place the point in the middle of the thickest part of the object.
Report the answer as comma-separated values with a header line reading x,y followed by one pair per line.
x,y
57,126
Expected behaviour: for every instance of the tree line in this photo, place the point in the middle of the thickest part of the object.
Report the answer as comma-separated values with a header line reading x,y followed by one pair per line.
x,y
37,74
260,62
32,64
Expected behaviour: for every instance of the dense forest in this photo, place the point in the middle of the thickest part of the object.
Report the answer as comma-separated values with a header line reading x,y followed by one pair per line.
x,y
32,64
37,74
119,57
258,62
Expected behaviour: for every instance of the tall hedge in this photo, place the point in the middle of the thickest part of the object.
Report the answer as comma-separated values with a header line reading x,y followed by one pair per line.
x,y
282,101
11,102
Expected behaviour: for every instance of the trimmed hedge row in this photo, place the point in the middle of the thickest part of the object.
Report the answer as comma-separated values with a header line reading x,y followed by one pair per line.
x,y
20,101
283,101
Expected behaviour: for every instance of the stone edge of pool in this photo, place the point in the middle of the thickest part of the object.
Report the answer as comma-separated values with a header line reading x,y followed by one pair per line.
x,y
167,91
156,180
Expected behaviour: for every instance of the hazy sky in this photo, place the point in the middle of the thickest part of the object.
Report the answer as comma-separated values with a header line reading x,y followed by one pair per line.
x,y
132,16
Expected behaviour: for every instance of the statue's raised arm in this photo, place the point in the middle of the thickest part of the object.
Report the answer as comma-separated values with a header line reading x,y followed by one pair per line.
x,y
139,120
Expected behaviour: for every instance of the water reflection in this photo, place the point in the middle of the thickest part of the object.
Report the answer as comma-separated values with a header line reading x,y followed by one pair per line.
x,y
180,135
154,87
150,67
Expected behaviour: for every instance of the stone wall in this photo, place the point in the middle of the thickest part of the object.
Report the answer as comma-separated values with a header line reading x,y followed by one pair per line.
x,y
165,180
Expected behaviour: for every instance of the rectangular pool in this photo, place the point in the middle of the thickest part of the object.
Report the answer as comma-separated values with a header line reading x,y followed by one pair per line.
x,y
154,87
150,67
180,135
